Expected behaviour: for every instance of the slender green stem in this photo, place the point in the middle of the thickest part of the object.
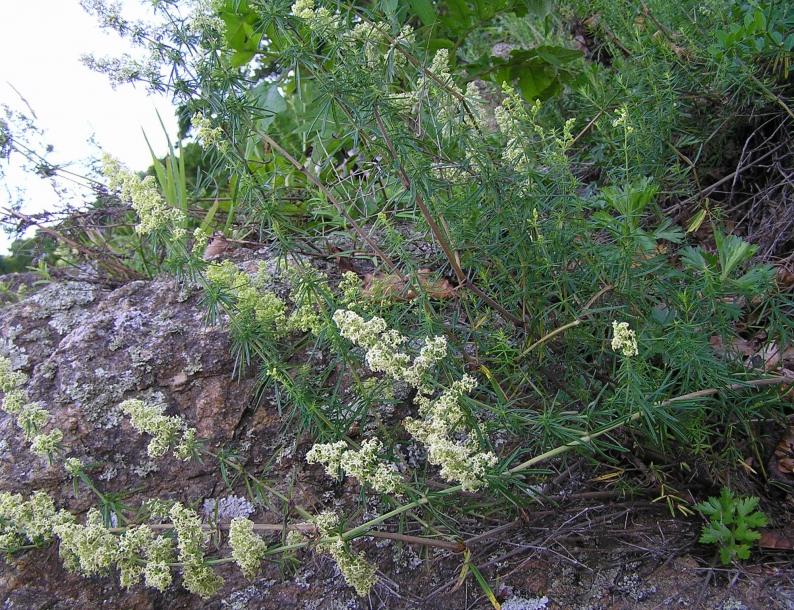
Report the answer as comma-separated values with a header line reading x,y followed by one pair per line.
x,y
337,204
551,335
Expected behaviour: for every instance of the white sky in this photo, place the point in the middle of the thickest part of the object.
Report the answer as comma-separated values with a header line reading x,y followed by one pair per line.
x,y
40,45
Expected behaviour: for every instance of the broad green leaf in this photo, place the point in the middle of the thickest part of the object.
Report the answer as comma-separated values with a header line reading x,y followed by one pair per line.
x,y
269,102
240,58
535,81
424,10
746,505
709,536
732,252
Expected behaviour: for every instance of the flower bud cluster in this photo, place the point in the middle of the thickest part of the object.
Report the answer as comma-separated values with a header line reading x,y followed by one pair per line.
x,y
527,139
442,421
149,419
260,306
364,464
208,135
31,416
357,571
154,213
442,89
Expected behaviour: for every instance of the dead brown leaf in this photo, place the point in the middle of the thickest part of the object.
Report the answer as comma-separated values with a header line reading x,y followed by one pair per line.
x,y
785,465
784,453
345,262
770,355
779,540
737,347
386,286
784,276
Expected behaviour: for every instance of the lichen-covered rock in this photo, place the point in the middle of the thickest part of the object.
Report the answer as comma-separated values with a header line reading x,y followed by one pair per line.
x,y
87,349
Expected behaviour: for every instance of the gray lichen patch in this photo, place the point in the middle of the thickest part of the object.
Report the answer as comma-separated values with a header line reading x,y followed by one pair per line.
x,y
140,357
63,296
98,393
193,365
8,349
146,468
64,321
46,370
37,334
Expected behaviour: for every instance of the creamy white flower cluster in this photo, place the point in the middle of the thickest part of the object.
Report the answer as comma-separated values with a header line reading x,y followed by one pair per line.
x,y
124,69
449,112
365,464
357,571
443,420
622,119
205,19
143,34
92,548
624,340
383,345
31,521
208,135
320,20
460,460
154,213
31,416
248,548
149,419
198,576
263,306
526,137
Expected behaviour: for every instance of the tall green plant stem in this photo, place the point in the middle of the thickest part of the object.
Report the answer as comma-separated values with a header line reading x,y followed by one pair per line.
x,y
311,528
337,204
551,335
442,239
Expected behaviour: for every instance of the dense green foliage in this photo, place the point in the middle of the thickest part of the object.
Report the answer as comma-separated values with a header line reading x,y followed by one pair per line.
x,y
532,158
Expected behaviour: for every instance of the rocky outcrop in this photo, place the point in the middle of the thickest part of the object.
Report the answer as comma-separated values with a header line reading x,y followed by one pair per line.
x,y
86,349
